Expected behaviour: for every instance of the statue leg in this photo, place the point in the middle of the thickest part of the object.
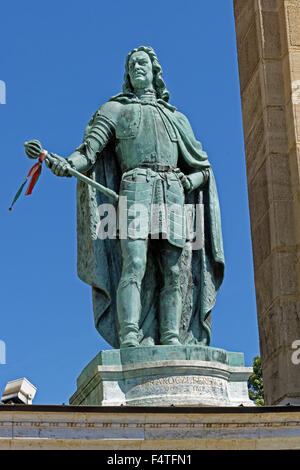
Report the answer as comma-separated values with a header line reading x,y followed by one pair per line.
x,y
134,253
170,305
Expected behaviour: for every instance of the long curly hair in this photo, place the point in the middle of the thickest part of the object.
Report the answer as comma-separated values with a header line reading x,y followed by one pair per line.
x,y
158,83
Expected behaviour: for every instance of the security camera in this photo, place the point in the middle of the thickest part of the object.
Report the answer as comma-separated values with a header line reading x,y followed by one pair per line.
x,y
19,391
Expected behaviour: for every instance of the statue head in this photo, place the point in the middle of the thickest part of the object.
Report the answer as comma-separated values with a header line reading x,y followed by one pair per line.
x,y
150,72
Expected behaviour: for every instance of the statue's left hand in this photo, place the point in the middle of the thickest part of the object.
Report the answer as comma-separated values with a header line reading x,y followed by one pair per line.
x,y
184,180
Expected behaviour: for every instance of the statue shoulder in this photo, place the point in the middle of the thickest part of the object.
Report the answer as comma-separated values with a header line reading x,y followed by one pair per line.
x,y
180,117
184,123
186,130
110,110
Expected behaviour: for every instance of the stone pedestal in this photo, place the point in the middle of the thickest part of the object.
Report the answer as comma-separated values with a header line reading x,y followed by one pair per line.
x,y
164,376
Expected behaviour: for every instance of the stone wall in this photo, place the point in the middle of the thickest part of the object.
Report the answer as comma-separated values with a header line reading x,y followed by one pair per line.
x,y
268,46
121,428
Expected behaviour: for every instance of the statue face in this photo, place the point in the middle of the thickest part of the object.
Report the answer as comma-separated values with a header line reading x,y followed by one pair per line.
x,y
140,70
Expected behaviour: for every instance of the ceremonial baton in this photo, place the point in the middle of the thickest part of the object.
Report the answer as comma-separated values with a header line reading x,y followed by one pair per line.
x,y
34,150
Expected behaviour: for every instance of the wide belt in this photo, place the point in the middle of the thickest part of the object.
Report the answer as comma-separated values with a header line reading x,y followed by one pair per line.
x,y
156,167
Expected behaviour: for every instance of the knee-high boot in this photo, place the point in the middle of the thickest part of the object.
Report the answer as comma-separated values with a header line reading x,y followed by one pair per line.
x,y
129,310
170,314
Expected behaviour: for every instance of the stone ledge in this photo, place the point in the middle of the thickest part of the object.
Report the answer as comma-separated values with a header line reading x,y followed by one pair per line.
x,y
115,428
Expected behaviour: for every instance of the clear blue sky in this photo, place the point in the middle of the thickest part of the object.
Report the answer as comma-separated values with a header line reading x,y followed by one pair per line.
x,y
60,61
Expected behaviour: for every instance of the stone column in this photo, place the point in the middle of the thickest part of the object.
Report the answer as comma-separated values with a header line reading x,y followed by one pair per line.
x,y
268,45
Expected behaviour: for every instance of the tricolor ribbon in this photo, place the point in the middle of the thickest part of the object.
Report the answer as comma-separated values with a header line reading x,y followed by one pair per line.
x,y
34,174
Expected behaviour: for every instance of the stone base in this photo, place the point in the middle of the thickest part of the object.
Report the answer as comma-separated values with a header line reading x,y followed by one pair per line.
x,y
164,376
137,429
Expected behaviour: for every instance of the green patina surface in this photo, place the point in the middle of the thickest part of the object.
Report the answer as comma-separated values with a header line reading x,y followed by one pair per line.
x,y
152,285
123,357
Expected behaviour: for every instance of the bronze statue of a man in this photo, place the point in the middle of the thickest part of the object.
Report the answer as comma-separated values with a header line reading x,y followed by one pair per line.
x,y
150,286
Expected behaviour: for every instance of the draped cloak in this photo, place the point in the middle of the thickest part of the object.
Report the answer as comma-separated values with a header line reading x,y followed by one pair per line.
x,y
99,262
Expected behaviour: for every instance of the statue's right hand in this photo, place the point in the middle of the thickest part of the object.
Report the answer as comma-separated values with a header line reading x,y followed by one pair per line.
x,y
58,165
